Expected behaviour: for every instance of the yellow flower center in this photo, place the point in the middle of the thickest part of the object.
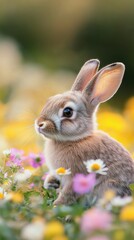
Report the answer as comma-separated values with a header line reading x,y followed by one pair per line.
x,y
1,195
95,167
61,170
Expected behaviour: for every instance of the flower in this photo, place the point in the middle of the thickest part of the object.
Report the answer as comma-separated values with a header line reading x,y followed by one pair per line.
x,y
95,219
44,176
119,234
127,213
15,157
7,152
53,229
119,201
31,185
22,176
96,166
16,197
99,238
84,183
36,160
63,171
34,230
2,193
62,237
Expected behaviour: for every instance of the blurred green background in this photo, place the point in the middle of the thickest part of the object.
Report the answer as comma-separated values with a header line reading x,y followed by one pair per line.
x,y
63,34
44,43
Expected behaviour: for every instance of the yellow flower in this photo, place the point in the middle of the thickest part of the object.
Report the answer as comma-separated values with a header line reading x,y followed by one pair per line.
x,y
127,213
109,195
119,235
62,237
54,229
6,182
2,193
63,171
1,196
16,197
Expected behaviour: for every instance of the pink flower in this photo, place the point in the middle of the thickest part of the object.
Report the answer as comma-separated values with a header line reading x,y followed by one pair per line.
x,y
95,219
31,185
36,160
44,176
16,157
84,183
99,238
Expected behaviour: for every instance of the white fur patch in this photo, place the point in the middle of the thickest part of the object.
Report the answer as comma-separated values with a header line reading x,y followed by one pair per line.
x,y
56,119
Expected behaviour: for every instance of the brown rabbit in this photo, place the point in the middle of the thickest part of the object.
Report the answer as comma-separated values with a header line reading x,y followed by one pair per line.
x,y
68,123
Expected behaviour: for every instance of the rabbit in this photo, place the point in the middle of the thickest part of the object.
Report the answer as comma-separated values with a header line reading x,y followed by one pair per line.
x,y
68,123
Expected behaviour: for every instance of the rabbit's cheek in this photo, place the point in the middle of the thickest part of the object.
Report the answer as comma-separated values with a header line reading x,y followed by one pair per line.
x,y
68,127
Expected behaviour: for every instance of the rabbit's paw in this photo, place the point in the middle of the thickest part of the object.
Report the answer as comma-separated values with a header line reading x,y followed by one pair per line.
x,y
51,183
59,202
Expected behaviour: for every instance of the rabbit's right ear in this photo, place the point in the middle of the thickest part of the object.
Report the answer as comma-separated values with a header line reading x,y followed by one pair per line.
x,y
105,83
86,73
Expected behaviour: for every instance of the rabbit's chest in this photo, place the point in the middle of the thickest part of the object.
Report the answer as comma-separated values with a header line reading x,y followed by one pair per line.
x,y
69,156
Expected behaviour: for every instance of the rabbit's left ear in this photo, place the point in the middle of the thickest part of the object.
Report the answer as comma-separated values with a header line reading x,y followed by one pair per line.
x,y
105,83
86,73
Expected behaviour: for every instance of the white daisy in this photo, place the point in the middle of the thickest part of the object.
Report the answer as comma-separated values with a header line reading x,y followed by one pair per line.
x,y
97,166
34,230
120,202
62,171
22,176
7,152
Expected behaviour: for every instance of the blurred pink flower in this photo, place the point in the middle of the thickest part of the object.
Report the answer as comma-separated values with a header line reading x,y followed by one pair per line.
x,y
95,219
44,176
31,185
99,238
84,183
36,160
16,157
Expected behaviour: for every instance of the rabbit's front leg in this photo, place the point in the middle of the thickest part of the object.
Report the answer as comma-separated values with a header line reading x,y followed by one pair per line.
x,y
67,196
51,182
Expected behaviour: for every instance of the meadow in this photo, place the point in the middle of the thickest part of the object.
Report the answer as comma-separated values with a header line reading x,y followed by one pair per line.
x,y
26,208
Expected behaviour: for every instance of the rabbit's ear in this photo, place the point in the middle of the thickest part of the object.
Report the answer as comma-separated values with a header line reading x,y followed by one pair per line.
x,y
105,83
86,73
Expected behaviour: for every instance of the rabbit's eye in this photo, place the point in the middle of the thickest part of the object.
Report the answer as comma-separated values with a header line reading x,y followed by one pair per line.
x,y
67,112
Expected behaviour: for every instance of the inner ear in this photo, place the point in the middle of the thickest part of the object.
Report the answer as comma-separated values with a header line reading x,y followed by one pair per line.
x,y
86,73
105,83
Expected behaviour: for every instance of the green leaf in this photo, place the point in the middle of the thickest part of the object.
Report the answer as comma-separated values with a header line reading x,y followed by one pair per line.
x,y
132,187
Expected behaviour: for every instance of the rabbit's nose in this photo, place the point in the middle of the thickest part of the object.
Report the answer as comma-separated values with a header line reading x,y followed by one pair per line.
x,y
42,125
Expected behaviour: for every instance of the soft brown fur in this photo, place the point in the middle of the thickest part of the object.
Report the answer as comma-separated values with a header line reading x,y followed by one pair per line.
x,y
72,141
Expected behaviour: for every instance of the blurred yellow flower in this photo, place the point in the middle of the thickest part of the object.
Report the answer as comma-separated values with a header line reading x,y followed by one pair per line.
x,y
2,193
16,197
127,213
63,237
119,235
54,229
1,196
109,195
129,109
